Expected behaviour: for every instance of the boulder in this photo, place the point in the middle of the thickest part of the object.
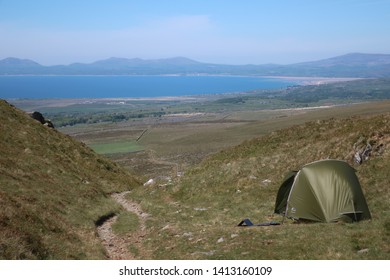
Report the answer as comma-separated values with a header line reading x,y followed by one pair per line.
x,y
39,117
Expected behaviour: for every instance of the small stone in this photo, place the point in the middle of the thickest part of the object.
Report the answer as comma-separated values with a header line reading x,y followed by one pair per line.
x,y
200,209
149,183
165,228
363,251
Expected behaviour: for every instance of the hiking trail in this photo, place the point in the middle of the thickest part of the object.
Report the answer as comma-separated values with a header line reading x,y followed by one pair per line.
x,y
117,247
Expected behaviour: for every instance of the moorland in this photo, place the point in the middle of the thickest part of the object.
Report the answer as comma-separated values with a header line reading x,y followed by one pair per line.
x,y
175,176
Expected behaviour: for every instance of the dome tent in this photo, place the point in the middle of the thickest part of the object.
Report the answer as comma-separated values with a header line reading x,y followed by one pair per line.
x,y
322,191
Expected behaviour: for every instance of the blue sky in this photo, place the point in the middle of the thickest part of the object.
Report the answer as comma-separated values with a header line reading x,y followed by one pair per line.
x,y
230,32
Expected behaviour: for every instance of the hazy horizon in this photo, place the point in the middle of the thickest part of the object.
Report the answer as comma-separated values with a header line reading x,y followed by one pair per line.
x,y
221,32
161,58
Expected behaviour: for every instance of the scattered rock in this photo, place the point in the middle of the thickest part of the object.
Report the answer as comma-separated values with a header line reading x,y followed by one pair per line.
x,y
48,123
200,209
39,117
357,158
188,234
210,253
150,182
266,181
165,228
363,251
117,246
268,242
220,240
374,145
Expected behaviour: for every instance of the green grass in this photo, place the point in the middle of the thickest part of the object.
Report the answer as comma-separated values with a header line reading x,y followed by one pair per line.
x,y
116,147
189,216
126,222
196,218
53,190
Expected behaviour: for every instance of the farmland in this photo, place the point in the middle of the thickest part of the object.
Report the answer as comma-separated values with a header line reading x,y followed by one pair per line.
x,y
179,131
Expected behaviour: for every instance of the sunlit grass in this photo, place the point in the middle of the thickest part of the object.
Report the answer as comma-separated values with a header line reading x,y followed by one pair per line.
x,y
197,217
126,222
116,147
53,190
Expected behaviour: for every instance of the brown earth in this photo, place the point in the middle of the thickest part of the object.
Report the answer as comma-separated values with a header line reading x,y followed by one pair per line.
x,y
117,247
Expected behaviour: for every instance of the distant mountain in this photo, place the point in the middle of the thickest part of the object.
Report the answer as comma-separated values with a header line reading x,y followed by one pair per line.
x,y
12,65
135,66
352,59
12,61
137,62
349,65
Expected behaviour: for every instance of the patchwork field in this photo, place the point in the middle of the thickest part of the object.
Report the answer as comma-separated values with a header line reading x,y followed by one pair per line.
x,y
172,143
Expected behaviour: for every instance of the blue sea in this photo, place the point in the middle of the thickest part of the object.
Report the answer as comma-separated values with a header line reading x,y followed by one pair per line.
x,y
129,86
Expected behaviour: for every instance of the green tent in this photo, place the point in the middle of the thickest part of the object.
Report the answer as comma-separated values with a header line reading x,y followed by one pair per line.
x,y
322,191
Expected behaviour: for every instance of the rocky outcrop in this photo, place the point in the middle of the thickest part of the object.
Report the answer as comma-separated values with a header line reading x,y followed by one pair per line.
x,y
39,117
372,146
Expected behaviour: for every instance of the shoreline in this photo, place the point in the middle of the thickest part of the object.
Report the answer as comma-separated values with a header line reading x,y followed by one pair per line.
x,y
305,81
291,78
297,80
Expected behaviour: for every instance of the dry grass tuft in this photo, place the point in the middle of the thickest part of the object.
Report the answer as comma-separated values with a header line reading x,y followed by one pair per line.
x,y
52,191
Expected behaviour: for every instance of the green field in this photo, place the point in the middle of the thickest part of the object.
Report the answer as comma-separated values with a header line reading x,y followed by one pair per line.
x,y
64,112
116,147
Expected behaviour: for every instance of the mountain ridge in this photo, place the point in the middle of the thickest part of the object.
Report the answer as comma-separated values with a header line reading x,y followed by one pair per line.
x,y
352,59
348,65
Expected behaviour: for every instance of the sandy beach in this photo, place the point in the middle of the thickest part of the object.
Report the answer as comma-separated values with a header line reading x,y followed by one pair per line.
x,y
312,80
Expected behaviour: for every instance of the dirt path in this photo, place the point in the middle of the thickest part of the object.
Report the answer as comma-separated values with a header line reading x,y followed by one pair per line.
x,y
118,246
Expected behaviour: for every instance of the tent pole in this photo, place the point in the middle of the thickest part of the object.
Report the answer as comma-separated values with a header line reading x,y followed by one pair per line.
x,y
354,212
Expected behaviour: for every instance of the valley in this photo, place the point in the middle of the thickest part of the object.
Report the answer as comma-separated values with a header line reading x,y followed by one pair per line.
x,y
203,173
196,167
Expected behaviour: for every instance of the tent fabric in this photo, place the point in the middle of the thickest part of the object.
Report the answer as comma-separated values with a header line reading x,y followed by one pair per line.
x,y
284,191
322,191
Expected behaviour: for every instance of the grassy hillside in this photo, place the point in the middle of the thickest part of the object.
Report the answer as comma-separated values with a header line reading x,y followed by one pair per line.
x,y
52,191
196,217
